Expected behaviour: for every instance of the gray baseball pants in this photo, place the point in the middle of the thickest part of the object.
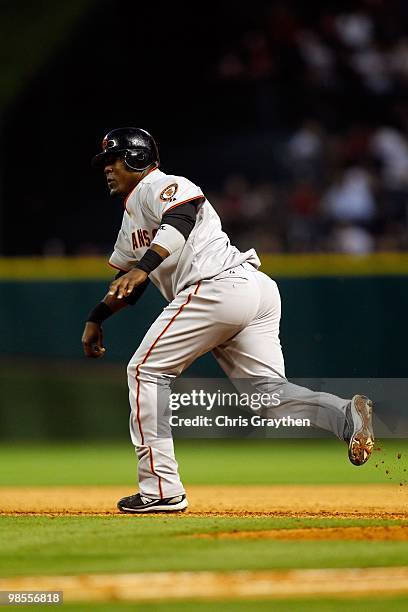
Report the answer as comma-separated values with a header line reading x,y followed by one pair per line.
x,y
236,315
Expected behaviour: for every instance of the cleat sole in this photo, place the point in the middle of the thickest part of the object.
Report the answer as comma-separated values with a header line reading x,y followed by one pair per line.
x,y
362,441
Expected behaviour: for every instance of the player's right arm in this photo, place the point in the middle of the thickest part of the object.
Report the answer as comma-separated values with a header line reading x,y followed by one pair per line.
x,y
92,338
123,259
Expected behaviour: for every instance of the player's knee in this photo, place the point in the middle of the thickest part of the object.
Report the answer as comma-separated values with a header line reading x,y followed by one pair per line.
x,y
131,369
149,370
135,364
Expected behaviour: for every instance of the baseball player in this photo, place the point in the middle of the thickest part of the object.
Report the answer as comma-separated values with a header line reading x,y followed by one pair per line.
x,y
218,301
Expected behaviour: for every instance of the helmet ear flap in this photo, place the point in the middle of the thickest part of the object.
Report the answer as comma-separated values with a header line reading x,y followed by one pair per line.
x,y
137,160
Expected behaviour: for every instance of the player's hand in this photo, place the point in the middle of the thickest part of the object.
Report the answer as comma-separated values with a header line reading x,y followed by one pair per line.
x,y
92,340
124,285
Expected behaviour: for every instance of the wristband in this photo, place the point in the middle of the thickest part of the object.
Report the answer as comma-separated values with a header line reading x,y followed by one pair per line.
x,y
99,313
149,261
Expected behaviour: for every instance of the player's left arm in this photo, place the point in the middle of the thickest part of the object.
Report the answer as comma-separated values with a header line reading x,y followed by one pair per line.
x,y
175,228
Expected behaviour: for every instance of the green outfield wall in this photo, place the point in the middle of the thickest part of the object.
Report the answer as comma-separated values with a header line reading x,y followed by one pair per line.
x,y
342,317
330,326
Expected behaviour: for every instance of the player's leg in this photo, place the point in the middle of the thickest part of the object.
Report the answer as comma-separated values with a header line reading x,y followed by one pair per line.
x,y
198,319
255,353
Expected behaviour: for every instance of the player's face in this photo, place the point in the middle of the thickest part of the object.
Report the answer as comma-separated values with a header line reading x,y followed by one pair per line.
x,y
120,180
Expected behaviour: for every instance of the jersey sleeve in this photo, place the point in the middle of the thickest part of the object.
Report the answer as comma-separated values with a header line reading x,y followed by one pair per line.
x,y
122,257
166,195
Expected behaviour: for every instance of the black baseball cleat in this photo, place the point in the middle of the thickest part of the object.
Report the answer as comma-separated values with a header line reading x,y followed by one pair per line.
x,y
139,504
358,430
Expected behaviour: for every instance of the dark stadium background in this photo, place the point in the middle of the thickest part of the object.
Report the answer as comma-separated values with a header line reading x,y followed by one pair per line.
x,y
170,67
123,63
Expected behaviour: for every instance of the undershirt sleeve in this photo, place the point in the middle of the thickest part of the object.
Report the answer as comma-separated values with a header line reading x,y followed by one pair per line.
x,y
182,217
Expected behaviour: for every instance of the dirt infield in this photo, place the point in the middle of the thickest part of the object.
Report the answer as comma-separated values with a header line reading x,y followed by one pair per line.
x,y
397,533
271,584
359,501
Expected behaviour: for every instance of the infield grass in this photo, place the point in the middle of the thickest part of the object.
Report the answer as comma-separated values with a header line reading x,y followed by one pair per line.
x,y
64,545
204,462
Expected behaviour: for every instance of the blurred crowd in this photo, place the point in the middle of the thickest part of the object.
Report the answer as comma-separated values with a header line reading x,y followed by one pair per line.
x,y
326,86
344,71
345,193
363,43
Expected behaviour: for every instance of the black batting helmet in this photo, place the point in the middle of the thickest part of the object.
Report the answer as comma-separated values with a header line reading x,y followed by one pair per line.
x,y
136,146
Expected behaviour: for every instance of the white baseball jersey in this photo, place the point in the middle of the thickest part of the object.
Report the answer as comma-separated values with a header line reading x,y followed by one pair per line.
x,y
207,251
